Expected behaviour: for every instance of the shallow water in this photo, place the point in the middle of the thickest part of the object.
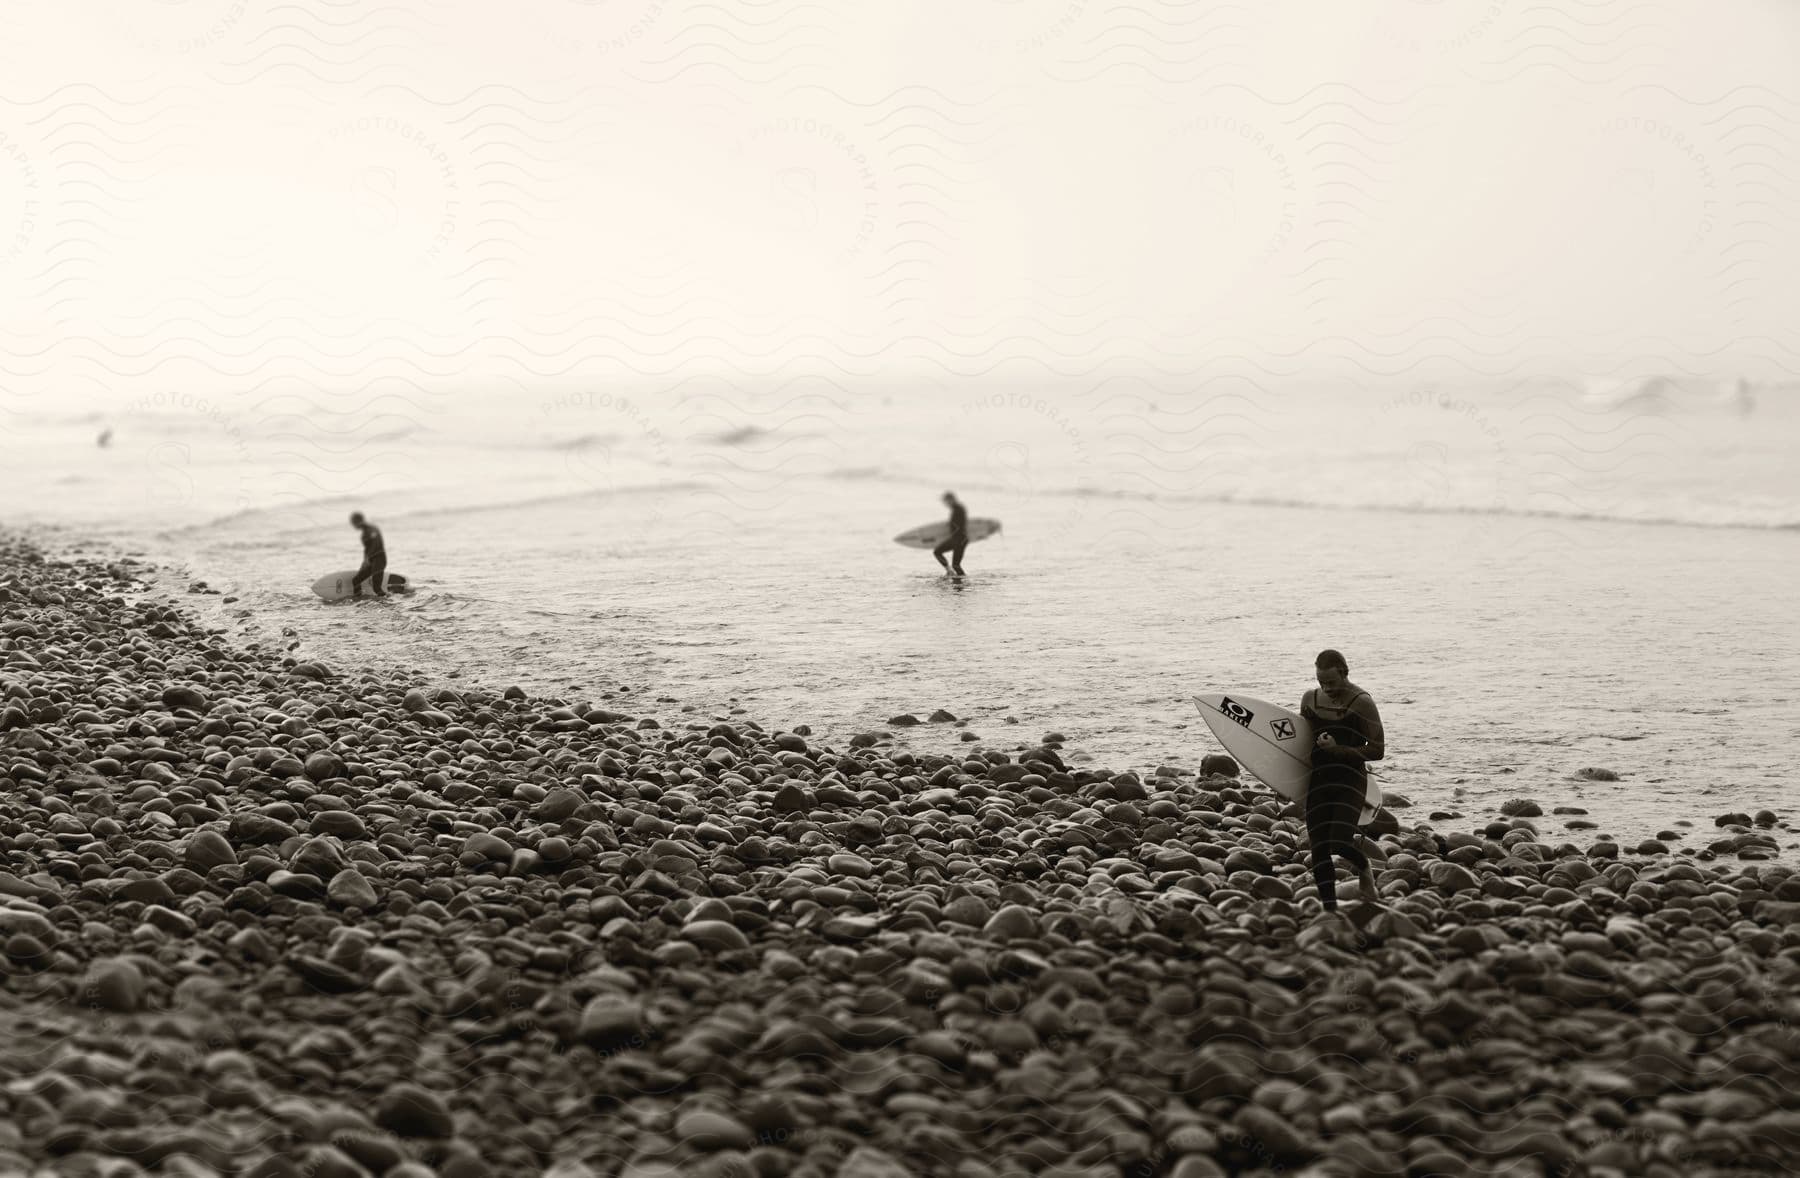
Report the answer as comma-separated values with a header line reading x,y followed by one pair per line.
x,y
718,561
1506,653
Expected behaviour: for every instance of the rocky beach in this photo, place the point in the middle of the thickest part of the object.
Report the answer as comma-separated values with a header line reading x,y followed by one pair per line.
x,y
269,917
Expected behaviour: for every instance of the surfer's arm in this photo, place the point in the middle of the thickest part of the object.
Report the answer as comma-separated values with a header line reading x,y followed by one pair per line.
x,y
1376,747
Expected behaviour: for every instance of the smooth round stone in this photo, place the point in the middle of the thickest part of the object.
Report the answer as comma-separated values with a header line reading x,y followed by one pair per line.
x,y
1272,887
968,910
708,1130
184,695
1248,859
207,849
349,888
554,850
324,767
18,920
411,1111
148,891
1012,921
609,1022
717,935
559,804
848,863
341,823
1451,876
114,984
27,950
488,846
791,799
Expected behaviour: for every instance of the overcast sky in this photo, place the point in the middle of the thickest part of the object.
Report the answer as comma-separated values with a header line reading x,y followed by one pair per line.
x,y
207,192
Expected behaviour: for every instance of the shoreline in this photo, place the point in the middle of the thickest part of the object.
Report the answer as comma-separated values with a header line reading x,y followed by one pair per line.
x,y
258,908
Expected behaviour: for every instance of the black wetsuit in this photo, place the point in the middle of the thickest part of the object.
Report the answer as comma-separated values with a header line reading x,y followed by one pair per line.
x,y
957,540
1334,796
374,565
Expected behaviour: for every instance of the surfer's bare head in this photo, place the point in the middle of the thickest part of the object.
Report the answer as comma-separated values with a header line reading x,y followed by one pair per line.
x,y
356,519
949,496
1333,672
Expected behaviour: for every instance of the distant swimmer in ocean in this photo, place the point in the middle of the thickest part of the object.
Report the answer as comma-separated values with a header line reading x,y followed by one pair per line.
x,y
1348,735
374,565
957,540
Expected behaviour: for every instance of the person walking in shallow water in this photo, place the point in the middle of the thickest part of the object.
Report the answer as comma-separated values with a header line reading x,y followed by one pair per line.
x,y
374,565
957,540
1347,734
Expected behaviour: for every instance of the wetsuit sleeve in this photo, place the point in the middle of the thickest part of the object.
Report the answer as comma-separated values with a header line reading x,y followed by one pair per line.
x,y
1376,748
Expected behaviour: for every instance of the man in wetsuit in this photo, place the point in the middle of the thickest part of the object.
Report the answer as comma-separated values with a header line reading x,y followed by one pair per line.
x,y
1348,736
957,540
374,565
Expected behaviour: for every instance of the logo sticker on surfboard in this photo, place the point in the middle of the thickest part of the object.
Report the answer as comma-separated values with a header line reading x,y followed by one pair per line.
x,y
1233,710
1282,728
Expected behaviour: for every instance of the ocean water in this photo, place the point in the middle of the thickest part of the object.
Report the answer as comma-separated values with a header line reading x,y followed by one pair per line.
x,y
1531,579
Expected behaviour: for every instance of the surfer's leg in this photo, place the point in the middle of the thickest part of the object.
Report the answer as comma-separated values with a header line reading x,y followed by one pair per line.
x,y
1366,878
1318,829
956,556
362,574
378,579
1331,809
939,553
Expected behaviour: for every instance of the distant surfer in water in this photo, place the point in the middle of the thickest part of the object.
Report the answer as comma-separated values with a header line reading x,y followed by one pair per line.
x,y
374,565
1348,735
957,540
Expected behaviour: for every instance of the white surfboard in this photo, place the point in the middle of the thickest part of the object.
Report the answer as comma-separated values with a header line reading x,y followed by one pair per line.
x,y
1272,743
931,535
336,586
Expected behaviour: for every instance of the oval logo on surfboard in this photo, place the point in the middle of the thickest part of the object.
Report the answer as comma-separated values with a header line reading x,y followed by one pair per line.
x,y
1232,709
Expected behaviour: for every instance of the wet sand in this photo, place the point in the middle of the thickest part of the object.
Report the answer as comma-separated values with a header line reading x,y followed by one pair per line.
x,y
266,916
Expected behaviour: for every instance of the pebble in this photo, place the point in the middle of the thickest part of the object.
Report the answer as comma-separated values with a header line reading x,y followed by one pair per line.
x,y
704,1129
1013,921
207,849
114,984
609,1022
349,888
412,1111
716,935
487,846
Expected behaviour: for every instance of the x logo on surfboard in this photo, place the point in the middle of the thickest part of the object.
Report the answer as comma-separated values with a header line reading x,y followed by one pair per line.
x,y
1282,728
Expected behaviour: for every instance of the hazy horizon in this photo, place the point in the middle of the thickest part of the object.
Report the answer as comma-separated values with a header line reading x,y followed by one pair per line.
x,y
227,196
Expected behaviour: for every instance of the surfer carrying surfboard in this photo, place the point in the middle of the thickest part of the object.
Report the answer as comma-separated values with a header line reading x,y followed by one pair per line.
x,y
374,565
957,540
1348,736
